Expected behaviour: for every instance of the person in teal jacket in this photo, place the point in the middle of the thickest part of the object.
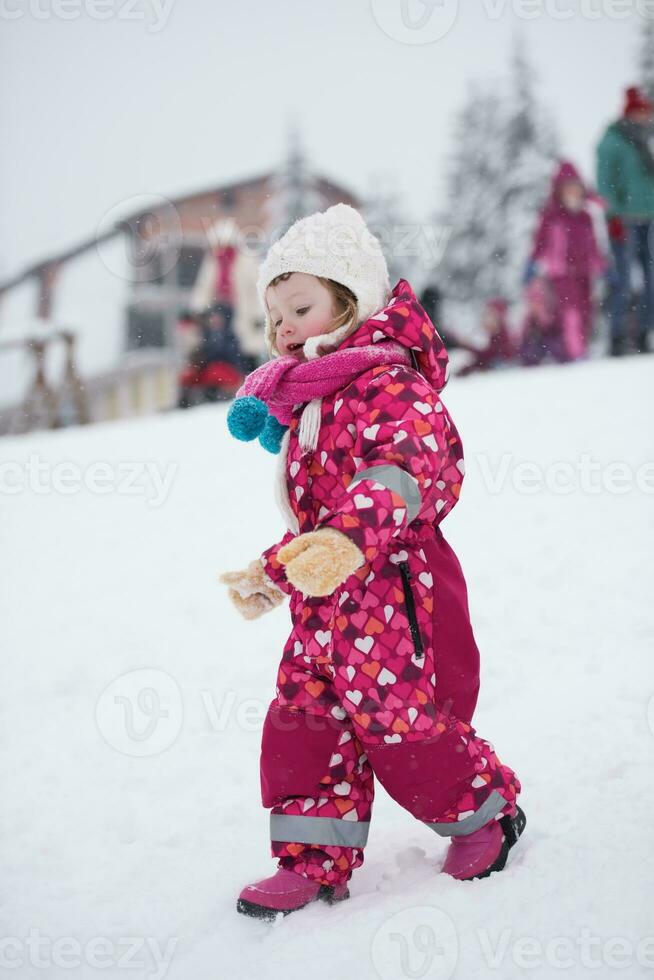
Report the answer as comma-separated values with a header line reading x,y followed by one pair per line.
x,y
625,179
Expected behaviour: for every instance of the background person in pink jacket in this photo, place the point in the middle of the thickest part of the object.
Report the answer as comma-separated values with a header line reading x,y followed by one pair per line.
x,y
380,673
566,252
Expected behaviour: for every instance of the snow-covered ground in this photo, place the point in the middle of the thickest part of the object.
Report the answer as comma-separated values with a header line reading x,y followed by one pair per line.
x,y
133,694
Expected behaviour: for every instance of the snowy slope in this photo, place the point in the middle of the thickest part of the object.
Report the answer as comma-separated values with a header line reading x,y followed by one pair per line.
x,y
117,836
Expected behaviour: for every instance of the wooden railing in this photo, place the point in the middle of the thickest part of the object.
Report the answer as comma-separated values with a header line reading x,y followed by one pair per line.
x,y
145,381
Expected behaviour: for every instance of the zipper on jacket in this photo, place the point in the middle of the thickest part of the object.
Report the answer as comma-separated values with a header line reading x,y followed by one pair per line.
x,y
411,609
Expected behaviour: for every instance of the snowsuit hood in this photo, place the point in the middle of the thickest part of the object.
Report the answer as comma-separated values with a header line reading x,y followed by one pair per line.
x,y
566,171
404,321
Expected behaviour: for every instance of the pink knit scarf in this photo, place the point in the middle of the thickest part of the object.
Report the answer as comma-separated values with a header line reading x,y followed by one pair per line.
x,y
285,382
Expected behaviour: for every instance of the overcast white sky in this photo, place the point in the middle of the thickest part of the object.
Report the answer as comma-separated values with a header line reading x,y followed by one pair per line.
x,y
170,99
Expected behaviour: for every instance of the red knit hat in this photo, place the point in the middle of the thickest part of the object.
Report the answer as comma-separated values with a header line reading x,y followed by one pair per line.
x,y
498,304
635,99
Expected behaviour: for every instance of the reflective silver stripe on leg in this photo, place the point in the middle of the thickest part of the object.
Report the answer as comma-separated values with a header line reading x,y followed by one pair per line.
x,y
396,479
318,830
489,808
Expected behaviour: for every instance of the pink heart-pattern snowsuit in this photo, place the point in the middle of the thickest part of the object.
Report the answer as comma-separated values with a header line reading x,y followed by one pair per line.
x,y
381,677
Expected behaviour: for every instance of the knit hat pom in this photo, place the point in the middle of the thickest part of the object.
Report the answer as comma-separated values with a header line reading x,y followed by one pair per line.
x,y
247,417
635,100
272,434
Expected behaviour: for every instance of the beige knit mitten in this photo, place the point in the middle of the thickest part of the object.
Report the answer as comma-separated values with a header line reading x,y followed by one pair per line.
x,y
251,591
319,561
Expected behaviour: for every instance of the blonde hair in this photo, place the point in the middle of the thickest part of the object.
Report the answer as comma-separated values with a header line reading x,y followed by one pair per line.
x,y
342,296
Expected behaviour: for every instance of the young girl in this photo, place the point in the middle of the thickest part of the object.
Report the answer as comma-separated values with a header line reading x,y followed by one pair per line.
x,y
566,253
380,674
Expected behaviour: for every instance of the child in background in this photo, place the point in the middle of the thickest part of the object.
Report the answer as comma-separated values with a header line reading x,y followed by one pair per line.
x,y
540,337
214,368
567,254
500,349
380,674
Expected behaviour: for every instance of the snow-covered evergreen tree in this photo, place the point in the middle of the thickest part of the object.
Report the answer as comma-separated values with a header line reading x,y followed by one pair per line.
x,y
293,192
474,179
504,153
385,217
531,154
646,57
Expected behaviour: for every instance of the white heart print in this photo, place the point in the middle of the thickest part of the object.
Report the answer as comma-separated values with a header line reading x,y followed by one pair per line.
x,y
422,407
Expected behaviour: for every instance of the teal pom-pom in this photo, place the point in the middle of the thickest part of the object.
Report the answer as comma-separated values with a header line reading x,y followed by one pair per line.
x,y
272,434
247,417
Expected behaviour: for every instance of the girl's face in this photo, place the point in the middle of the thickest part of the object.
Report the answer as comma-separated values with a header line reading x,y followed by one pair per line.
x,y
300,307
572,195
491,321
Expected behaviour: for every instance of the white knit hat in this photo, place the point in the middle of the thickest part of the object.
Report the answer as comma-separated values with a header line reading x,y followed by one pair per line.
x,y
336,244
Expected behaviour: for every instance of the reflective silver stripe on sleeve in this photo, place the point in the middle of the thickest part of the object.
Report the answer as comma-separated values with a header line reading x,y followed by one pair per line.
x,y
318,830
489,808
396,479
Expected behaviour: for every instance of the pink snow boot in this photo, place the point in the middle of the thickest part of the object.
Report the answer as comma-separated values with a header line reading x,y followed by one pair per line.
x,y
478,854
286,892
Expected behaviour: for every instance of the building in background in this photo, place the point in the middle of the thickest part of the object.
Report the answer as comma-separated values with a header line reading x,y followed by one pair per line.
x,y
89,334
